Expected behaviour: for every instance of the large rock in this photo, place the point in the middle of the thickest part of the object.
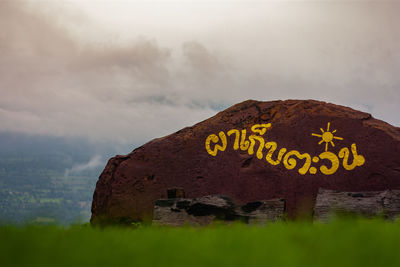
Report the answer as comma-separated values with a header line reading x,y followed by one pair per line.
x,y
305,145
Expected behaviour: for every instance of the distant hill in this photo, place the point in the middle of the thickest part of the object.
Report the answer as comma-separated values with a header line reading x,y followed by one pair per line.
x,y
49,179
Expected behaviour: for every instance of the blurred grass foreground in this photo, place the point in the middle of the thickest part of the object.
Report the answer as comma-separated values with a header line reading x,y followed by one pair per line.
x,y
344,242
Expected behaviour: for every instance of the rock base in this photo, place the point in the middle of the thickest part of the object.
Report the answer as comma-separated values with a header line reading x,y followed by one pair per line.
x,y
367,204
205,210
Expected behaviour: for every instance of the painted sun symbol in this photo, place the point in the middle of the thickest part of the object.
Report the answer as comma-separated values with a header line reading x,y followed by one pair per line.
x,y
327,137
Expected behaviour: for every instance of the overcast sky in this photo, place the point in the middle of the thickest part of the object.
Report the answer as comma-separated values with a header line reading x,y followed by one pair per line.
x,y
130,71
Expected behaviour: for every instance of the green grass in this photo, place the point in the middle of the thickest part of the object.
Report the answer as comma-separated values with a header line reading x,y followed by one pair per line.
x,y
340,243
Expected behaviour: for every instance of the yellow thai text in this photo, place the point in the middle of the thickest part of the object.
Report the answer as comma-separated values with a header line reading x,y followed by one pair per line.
x,y
255,143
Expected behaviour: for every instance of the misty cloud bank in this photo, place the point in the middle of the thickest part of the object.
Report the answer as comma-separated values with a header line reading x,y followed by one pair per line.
x,y
54,82
94,162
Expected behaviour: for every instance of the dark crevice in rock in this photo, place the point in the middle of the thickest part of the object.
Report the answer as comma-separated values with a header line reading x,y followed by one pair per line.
x,y
247,162
200,209
175,192
183,204
356,194
251,206
165,202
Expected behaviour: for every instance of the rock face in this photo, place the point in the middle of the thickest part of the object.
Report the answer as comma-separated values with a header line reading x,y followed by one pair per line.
x,y
368,204
204,210
251,151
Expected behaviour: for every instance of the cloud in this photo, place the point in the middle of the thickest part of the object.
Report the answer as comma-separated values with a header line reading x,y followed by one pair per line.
x,y
93,163
51,84
62,75
200,59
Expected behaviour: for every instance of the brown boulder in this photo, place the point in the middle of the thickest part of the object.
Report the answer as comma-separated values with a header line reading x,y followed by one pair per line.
x,y
251,151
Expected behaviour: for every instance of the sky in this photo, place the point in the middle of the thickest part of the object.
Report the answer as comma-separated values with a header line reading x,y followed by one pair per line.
x,y
130,71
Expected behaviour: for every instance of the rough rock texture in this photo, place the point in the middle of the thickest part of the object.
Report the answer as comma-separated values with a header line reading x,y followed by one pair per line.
x,y
259,212
129,185
204,210
391,204
368,204
197,211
